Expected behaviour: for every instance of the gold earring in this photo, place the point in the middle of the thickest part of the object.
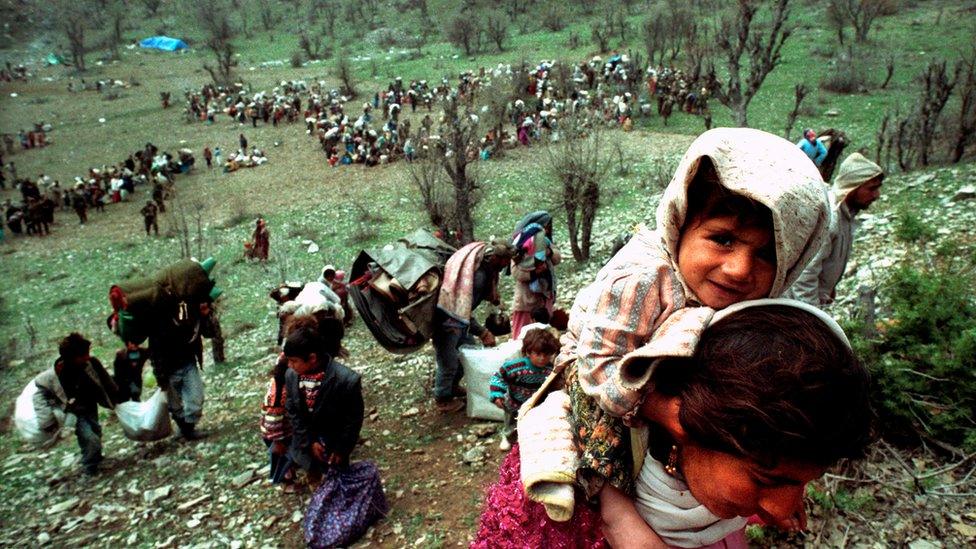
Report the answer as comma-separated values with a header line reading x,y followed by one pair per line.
x,y
672,466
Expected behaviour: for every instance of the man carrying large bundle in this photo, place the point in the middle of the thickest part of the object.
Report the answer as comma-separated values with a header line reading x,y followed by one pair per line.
x,y
171,309
470,277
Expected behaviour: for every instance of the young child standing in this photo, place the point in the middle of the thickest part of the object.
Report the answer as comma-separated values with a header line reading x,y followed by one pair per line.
x,y
127,370
517,379
324,398
275,429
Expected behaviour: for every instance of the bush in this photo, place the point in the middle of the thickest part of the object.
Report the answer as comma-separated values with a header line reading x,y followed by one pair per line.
x,y
296,59
924,359
846,74
386,37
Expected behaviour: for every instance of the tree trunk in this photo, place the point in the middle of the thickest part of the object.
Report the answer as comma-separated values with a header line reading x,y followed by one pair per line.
x,y
573,229
591,201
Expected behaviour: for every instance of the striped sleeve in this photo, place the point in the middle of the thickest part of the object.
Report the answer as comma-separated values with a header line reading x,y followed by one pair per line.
x,y
497,386
612,318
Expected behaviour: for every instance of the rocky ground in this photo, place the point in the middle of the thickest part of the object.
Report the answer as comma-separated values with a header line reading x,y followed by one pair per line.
x,y
213,492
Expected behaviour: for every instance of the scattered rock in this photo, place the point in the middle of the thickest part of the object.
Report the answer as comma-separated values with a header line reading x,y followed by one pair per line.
x,y
43,538
65,505
243,479
832,113
296,517
476,454
964,529
484,430
925,544
965,193
411,412
152,496
192,503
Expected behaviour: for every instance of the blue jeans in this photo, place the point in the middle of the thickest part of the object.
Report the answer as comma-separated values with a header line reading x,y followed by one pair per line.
x,y
89,434
184,391
446,341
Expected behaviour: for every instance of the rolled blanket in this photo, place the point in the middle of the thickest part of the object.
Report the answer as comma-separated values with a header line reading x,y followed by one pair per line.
x,y
549,457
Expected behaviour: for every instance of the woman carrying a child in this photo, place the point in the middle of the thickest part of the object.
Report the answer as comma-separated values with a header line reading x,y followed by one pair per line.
x,y
740,219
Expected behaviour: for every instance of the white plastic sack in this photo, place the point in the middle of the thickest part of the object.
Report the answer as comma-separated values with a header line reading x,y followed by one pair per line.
x,y
480,363
25,417
145,421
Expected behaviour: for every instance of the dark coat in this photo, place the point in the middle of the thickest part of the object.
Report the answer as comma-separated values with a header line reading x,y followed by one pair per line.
x,y
335,420
86,387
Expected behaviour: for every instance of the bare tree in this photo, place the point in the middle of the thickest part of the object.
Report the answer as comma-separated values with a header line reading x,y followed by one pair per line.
x,y
601,31
741,39
76,19
436,197
936,88
860,14
496,28
966,129
117,12
344,73
581,163
889,71
269,16
799,93
462,31
310,41
219,35
456,151
666,30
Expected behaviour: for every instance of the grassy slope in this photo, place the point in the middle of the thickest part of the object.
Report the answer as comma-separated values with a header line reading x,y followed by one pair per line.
x,y
59,283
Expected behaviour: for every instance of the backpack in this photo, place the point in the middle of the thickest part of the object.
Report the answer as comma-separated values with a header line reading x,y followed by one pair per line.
x,y
395,289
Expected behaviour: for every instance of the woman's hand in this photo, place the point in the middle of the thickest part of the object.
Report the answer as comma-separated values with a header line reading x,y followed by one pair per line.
x,y
622,525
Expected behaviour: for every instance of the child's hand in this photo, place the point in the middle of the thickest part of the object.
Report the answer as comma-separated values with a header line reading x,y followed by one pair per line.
x,y
500,403
334,459
622,525
318,450
278,448
488,339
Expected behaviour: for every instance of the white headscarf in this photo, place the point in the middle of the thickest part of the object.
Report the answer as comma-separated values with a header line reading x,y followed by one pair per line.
x,y
765,168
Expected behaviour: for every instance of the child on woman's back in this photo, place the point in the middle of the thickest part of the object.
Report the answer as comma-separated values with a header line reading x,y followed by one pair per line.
x,y
740,219
518,378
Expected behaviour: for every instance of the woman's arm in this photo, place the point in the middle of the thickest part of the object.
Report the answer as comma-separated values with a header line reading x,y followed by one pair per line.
x,y
622,524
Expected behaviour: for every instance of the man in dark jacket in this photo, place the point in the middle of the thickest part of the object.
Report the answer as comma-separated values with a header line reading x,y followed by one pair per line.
x,y
470,277
86,386
174,348
324,402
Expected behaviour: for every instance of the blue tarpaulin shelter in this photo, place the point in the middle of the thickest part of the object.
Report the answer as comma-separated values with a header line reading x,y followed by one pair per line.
x,y
164,43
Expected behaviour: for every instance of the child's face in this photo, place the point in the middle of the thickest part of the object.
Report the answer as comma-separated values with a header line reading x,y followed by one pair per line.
x,y
540,360
731,486
724,263
304,366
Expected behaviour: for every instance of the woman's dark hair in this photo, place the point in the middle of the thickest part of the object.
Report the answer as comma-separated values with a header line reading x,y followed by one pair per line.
x,y
772,383
319,334
73,345
539,340
708,199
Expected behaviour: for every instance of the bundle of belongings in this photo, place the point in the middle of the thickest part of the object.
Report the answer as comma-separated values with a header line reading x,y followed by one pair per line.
x,y
173,293
395,289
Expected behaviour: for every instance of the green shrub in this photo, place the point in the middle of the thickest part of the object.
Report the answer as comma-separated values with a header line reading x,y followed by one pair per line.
x,y
923,360
910,228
